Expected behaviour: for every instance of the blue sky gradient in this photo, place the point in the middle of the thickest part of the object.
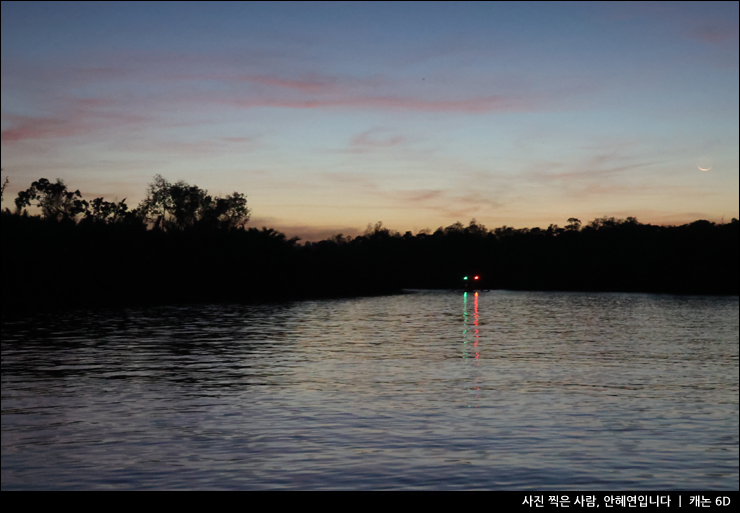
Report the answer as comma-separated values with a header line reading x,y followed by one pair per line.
x,y
332,115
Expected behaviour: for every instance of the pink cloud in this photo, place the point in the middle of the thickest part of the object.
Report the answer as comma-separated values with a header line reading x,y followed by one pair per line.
x,y
314,91
424,196
630,190
315,84
307,85
194,148
447,204
88,116
716,32
25,127
81,116
364,181
473,106
237,139
370,139
609,163
715,24
167,88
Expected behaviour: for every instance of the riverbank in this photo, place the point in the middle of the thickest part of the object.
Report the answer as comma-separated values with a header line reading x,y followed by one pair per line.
x,y
49,264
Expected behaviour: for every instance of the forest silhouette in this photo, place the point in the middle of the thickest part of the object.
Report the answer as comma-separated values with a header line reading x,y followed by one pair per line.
x,y
182,245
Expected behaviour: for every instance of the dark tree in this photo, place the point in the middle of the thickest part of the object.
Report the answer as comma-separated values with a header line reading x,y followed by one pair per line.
x,y
2,190
181,205
102,211
54,200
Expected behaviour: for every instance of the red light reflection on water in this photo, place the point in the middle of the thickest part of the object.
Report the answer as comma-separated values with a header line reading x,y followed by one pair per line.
x,y
476,318
476,338
475,323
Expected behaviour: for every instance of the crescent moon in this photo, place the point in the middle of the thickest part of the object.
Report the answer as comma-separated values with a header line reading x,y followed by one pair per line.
x,y
702,169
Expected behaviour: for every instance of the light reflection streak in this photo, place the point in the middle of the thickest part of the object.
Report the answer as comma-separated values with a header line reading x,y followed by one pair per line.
x,y
475,323
477,354
476,340
465,326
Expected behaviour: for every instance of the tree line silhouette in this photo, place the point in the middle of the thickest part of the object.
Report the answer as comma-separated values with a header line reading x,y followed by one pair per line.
x,y
181,244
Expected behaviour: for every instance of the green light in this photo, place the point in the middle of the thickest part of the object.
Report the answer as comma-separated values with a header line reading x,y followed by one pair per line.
x,y
465,278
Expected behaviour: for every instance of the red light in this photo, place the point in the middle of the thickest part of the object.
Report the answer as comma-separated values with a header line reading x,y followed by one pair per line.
x,y
476,277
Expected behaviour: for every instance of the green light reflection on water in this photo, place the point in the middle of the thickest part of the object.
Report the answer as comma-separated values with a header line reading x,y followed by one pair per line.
x,y
465,323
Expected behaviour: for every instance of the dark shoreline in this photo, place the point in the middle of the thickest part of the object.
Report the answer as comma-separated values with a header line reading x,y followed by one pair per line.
x,y
50,265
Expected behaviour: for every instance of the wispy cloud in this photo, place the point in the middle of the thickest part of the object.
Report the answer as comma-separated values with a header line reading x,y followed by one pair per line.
x,y
131,94
424,196
77,117
445,204
374,139
310,84
239,139
582,173
27,127
717,32
399,103
195,147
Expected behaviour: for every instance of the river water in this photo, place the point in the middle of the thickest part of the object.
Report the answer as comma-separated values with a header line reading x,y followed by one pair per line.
x,y
425,390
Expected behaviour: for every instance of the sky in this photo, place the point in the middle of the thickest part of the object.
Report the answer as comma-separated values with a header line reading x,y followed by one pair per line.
x,y
333,115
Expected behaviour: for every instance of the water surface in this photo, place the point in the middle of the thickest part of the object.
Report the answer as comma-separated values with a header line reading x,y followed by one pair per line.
x,y
427,390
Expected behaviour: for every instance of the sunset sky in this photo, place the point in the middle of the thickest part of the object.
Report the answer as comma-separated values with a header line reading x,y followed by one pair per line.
x,y
333,115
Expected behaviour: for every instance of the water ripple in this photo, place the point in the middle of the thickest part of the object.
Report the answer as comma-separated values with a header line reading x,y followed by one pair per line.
x,y
428,390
